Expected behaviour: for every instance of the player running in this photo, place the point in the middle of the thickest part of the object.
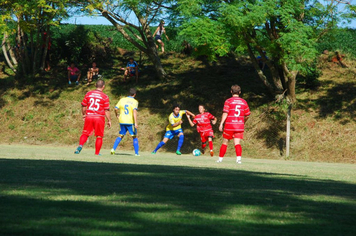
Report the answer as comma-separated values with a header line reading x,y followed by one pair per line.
x,y
174,128
126,112
236,112
95,107
204,128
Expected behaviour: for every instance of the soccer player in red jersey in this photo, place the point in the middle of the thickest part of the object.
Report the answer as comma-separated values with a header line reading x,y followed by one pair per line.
x,y
204,128
95,107
235,113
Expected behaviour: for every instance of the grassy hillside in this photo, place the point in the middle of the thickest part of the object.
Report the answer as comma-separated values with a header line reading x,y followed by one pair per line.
x,y
323,122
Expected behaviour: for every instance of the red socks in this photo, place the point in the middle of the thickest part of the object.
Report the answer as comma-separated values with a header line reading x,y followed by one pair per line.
x,y
83,139
211,145
238,150
98,144
222,150
203,145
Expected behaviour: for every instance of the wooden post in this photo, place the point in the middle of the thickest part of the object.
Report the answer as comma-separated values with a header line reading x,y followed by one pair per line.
x,y
288,129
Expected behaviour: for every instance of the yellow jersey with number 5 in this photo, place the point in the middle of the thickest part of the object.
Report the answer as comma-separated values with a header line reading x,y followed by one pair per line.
x,y
126,106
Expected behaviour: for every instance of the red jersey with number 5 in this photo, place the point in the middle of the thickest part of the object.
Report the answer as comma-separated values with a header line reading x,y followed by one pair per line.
x,y
96,102
203,122
236,109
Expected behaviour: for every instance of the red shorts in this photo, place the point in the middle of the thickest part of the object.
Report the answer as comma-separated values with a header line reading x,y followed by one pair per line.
x,y
96,123
233,134
205,135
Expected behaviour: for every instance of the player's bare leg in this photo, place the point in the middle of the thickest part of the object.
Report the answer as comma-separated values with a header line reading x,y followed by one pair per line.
x,y
238,150
223,149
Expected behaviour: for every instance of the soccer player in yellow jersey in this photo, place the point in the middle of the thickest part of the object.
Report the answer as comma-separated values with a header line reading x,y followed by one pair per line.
x,y
174,128
126,112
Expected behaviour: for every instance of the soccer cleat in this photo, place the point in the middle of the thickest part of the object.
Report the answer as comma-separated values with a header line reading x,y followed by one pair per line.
x,y
76,83
112,152
203,151
239,162
98,154
153,152
69,82
137,155
78,150
211,153
178,153
218,161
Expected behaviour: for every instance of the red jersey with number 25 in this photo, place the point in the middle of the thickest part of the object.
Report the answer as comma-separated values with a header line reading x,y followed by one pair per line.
x,y
236,109
96,102
203,122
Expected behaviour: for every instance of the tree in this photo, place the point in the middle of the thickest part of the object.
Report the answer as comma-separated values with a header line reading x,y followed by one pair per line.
x,y
137,32
30,20
282,32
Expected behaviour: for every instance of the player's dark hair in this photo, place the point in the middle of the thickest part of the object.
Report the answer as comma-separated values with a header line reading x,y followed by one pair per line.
x,y
175,105
235,89
202,106
100,83
132,91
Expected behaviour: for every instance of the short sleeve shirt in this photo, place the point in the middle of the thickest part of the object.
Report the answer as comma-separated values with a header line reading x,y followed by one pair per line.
x,y
126,108
174,119
73,71
236,109
96,102
203,122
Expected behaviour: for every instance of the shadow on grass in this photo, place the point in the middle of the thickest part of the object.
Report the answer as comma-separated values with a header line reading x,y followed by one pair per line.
x,y
75,198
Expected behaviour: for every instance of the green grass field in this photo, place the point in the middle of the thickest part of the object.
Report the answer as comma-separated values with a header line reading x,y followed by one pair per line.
x,y
50,191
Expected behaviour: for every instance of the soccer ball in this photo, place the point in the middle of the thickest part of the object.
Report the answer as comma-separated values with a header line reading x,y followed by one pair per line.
x,y
196,152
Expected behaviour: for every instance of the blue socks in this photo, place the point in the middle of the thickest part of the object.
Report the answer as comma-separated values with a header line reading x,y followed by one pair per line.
x,y
135,144
117,142
159,146
180,142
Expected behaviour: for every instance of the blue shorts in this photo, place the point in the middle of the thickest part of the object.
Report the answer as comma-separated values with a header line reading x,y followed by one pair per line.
x,y
124,128
171,133
158,37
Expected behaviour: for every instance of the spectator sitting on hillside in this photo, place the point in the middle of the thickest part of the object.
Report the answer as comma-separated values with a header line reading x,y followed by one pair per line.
x,y
93,73
131,69
338,59
73,74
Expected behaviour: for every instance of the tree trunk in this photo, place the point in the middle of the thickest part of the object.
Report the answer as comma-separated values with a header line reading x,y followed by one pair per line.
x,y
291,86
259,71
147,40
5,53
11,53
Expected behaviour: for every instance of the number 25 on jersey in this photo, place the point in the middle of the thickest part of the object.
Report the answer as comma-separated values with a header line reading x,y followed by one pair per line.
x,y
94,104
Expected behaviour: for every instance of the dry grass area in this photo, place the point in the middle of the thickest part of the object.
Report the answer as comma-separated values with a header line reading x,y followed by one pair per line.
x,y
323,121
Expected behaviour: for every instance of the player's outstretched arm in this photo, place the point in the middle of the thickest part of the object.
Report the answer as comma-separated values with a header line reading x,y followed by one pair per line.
x,y
223,118
190,113
190,121
246,118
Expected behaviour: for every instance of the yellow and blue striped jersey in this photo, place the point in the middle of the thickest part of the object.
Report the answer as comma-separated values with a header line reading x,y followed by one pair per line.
x,y
126,107
174,119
